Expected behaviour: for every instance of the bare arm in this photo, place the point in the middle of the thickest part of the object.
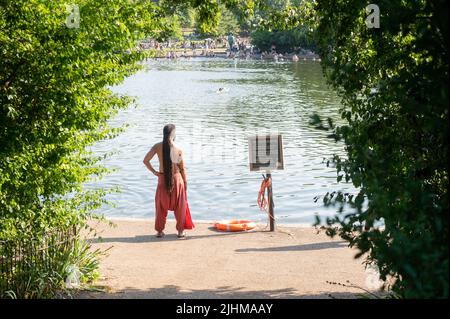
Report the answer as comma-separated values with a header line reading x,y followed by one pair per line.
x,y
148,157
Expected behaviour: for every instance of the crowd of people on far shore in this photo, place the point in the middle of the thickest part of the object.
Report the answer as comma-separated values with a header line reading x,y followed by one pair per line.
x,y
233,47
186,48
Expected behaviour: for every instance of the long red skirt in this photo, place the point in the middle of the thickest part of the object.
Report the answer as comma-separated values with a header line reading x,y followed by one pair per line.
x,y
175,201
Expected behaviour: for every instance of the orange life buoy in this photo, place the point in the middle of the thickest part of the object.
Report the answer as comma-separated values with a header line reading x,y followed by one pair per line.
x,y
235,225
263,203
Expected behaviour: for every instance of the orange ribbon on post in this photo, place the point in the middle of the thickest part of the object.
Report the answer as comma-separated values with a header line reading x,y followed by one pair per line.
x,y
267,204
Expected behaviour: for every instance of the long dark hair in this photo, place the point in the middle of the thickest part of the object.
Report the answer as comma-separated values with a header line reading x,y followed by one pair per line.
x,y
167,161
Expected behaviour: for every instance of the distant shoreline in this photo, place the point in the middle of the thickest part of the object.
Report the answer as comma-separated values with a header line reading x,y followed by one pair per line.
x,y
221,53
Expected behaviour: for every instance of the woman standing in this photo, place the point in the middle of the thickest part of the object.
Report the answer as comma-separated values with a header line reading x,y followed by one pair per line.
x,y
172,183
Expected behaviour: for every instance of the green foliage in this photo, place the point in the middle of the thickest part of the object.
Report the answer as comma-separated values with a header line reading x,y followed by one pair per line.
x,y
289,25
228,22
179,9
187,18
38,265
207,16
55,103
282,15
394,87
284,40
172,29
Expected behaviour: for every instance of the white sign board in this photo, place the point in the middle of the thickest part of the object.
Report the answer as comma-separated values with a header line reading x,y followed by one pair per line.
x,y
265,152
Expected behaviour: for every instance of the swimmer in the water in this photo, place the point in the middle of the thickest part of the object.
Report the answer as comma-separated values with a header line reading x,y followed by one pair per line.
x,y
220,90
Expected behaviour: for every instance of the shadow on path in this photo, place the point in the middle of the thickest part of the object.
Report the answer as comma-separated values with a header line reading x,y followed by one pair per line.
x,y
225,292
304,247
169,237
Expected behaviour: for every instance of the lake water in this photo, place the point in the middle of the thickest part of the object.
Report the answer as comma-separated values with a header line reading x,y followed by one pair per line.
x,y
212,128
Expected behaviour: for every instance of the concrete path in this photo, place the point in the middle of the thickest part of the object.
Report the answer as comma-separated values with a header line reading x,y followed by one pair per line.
x,y
293,262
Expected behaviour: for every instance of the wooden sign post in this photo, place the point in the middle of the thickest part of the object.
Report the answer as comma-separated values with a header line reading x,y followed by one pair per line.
x,y
266,154
271,205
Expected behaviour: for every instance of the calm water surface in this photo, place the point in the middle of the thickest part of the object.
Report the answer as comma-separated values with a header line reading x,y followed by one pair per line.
x,y
212,128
